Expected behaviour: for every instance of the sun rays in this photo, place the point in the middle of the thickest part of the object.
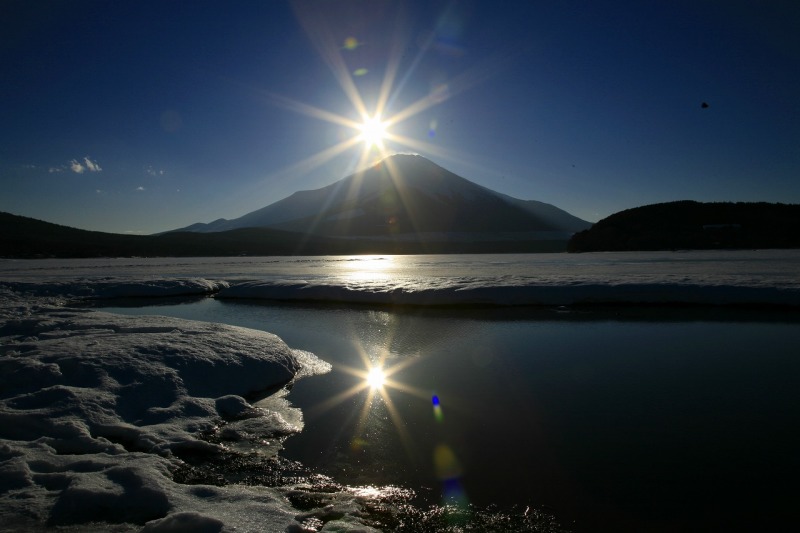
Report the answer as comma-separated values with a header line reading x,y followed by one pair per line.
x,y
376,381
372,120
372,128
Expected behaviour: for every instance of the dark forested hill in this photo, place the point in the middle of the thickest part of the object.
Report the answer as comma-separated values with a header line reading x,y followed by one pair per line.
x,y
23,237
694,225
30,238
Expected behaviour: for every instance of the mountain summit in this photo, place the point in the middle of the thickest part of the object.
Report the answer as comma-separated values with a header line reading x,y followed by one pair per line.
x,y
407,197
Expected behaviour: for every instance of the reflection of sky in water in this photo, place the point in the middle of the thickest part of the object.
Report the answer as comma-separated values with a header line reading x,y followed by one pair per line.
x,y
592,414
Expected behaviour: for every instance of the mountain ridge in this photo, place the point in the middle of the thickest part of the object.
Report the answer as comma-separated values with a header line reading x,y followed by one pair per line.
x,y
404,204
401,194
673,225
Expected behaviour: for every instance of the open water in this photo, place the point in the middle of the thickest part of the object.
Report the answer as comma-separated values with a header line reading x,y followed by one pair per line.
x,y
623,418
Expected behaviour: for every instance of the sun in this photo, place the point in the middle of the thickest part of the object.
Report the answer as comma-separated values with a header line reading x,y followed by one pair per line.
x,y
373,124
373,131
376,378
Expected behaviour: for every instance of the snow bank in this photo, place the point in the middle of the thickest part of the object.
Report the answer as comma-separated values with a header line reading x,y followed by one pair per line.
x,y
459,292
106,288
96,411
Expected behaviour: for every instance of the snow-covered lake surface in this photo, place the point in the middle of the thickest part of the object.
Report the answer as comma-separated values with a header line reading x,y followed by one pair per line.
x,y
609,418
729,277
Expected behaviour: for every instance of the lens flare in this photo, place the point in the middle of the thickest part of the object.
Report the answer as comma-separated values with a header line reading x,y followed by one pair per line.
x,y
445,463
449,471
351,43
432,128
437,409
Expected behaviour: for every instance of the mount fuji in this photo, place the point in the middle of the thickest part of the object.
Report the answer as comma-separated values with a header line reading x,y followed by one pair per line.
x,y
407,198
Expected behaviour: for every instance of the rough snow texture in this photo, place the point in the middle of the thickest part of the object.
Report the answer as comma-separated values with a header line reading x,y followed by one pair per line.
x,y
95,410
740,277
106,288
516,295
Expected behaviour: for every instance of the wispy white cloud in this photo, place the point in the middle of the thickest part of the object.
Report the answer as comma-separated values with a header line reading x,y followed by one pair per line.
x,y
76,167
88,164
52,170
92,166
139,188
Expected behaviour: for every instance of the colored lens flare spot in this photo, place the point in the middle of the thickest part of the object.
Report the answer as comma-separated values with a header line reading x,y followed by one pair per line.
x,y
445,463
351,43
432,128
437,409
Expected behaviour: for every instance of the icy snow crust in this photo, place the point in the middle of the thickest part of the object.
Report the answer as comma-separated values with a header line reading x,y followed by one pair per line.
x,y
97,409
746,277
107,288
511,295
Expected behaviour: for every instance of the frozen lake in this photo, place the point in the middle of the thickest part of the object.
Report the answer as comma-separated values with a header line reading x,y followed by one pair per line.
x,y
775,268
748,277
623,418
582,385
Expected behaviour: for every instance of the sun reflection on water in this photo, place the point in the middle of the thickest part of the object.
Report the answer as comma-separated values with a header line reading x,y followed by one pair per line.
x,y
376,378
368,268
378,426
385,492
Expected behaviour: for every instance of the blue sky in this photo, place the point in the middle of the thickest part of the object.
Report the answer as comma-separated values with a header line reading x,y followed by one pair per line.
x,y
147,116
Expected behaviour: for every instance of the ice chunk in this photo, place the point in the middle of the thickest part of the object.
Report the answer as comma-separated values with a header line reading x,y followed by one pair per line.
x,y
184,522
235,407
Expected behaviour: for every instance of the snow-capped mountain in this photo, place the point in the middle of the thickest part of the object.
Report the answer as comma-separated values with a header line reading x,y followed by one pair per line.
x,y
405,195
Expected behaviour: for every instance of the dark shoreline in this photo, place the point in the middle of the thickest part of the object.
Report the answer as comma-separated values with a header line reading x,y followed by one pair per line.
x,y
388,508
